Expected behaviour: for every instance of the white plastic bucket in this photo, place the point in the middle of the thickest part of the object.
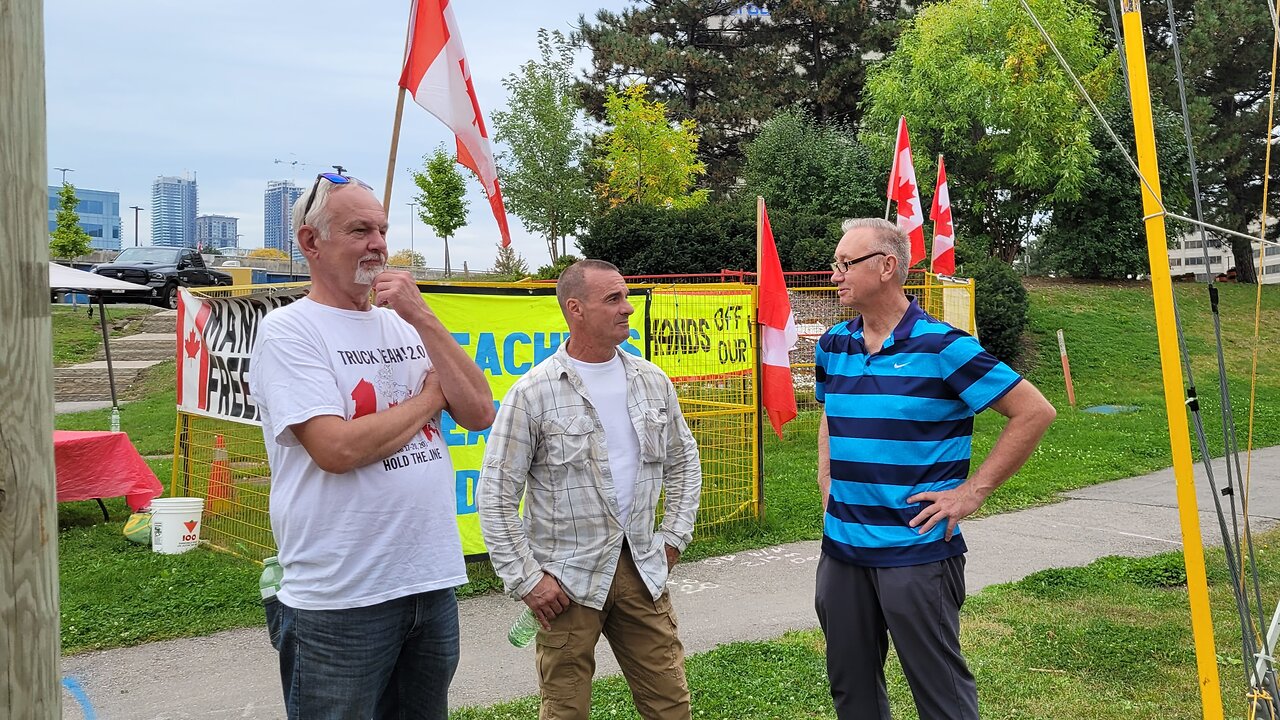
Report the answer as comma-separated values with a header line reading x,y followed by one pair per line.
x,y
175,524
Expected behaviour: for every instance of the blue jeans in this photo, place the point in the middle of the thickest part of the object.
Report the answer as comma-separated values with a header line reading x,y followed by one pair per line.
x,y
391,661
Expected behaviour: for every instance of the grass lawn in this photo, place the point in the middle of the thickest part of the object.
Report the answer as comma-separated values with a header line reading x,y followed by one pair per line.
x,y
1111,337
117,593
1108,641
78,337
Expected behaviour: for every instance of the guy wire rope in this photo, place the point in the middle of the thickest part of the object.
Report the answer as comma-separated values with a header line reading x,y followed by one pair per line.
x,y
1231,450
1237,580
1261,268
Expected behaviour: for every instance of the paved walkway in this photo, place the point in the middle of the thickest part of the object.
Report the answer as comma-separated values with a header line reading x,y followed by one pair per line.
x,y
74,406
752,595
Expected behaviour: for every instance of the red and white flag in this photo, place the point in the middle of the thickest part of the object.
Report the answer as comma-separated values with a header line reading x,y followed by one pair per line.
x,y
777,332
193,353
903,190
944,233
438,76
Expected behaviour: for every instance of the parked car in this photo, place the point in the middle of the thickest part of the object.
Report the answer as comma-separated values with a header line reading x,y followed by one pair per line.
x,y
161,269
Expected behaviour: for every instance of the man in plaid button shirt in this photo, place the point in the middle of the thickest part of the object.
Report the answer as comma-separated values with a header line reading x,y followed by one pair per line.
x,y
591,437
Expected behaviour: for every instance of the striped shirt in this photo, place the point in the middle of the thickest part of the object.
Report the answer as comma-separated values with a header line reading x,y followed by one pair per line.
x,y
548,444
901,423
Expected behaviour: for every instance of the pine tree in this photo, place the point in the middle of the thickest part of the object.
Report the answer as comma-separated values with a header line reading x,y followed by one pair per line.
x,y
1226,54
830,44
730,65
508,265
698,57
68,240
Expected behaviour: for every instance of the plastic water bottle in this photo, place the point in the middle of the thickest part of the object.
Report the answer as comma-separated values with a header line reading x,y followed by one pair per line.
x,y
272,575
524,629
115,419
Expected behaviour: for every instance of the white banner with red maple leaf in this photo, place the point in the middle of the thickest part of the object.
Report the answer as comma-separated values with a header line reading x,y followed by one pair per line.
x,y
215,338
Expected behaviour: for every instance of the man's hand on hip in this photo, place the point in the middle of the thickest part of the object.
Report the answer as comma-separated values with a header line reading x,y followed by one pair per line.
x,y
949,505
547,600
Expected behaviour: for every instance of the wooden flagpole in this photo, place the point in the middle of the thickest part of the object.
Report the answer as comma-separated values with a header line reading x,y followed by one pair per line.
x,y
395,128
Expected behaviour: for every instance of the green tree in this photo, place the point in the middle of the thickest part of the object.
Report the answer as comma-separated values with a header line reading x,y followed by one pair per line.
x,y
647,159
508,265
976,81
701,58
543,182
68,240
829,46
441,202
799,165
1101,234
1227,94
407,258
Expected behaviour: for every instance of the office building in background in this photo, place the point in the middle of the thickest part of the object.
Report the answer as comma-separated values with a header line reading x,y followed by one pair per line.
x,y
174,202
99,212
215,231
277,216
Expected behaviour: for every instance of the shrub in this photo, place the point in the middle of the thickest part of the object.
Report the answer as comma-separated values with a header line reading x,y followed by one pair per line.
x,y
1000,306
718,236
650,241
552,271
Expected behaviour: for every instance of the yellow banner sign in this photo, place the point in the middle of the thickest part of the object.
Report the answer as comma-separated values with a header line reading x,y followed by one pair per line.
x,y
701,333
507,332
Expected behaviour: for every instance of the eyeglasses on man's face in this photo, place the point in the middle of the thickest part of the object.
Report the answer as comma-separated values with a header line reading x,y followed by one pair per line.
x,y
336,179
842,266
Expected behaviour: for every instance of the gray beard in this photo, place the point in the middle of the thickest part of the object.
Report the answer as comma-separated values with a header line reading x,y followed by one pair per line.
x,y
366,275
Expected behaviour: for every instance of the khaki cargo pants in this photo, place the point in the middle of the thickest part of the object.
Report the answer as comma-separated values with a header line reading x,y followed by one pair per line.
x,y
642,633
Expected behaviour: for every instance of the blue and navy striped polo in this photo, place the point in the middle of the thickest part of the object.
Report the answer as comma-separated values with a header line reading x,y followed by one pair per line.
x,y
901,423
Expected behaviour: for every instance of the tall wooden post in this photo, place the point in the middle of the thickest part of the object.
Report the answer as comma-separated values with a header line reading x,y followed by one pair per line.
x,y
28,517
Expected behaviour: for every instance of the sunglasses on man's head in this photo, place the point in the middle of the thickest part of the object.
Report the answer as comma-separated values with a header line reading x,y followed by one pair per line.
x,y
336,179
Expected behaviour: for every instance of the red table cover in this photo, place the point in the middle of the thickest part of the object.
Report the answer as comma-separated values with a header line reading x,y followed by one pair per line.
x,y
98,464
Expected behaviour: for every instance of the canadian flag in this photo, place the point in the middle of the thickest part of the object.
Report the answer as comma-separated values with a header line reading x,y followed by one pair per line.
x,y
777,331
193,353
944,233
438,76
903,190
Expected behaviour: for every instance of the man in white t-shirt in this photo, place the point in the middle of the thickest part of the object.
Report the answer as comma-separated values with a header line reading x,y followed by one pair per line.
x,y
363,499
590,438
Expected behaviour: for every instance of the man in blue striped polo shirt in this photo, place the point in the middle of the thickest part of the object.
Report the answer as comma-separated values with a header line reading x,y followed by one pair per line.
x,y
899,391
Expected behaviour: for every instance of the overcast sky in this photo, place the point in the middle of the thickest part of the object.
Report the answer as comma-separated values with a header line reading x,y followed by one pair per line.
x,y
223,90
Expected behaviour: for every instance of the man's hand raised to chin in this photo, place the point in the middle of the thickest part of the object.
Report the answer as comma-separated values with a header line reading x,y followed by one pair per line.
x,y
398,290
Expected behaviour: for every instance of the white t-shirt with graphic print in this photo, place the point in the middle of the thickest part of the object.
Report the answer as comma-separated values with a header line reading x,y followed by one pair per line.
x,y
381,531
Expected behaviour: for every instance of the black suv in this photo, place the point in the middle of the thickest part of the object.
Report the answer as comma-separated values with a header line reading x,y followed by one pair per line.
x,y
163,270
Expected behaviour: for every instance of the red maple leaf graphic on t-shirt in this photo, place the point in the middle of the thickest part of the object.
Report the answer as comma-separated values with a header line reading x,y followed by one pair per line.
x,y
366,398
430,431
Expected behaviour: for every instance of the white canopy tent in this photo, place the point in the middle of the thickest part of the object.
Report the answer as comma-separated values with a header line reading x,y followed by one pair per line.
x,y
63,278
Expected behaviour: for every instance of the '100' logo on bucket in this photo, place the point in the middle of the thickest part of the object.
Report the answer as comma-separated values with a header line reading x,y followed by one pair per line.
x,y
175,524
